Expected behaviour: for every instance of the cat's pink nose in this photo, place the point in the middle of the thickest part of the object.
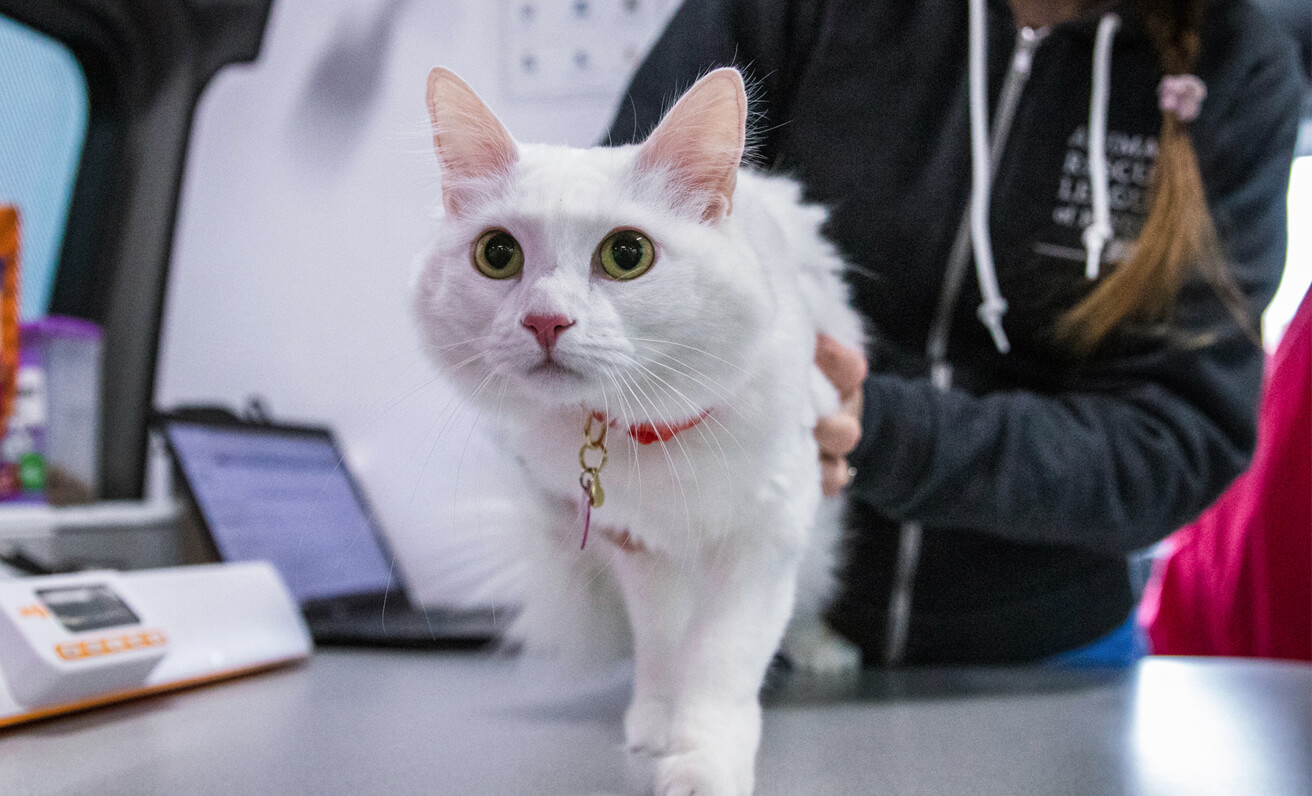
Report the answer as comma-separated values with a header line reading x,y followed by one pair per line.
x,y
546,328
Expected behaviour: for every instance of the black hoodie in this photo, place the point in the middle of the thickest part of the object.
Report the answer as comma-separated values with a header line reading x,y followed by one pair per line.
x,y
1035,472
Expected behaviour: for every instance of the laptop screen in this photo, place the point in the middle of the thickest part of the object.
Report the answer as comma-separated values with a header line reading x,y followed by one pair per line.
x,y
283,496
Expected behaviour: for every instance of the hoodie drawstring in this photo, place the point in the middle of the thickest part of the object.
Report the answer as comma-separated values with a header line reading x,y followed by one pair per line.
x,y
994,305
1099,232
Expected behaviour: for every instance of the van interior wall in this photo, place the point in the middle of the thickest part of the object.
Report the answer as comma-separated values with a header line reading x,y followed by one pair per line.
x,y
308,194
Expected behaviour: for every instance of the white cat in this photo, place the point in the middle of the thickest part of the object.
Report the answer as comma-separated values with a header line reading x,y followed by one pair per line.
x,y
665,304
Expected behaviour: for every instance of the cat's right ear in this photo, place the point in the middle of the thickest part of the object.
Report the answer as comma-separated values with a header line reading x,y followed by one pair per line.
x,y
472,144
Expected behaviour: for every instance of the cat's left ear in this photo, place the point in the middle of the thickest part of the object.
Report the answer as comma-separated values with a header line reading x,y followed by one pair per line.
x,y
699,143
472,144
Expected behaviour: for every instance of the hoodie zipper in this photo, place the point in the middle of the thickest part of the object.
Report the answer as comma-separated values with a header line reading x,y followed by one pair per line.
x,y
911,533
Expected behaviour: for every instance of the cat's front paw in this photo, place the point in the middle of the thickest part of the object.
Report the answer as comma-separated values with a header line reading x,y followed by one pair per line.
x,y
647,727
815,649
703,772
712,751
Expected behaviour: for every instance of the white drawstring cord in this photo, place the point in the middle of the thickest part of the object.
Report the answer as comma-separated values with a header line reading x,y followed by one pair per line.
x,y
1099,232
994,305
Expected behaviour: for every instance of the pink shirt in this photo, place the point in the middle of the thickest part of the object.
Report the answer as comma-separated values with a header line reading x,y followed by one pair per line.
x,y
1238,580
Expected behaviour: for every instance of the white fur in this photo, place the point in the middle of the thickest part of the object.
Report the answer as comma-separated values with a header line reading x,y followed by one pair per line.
x,y
728,513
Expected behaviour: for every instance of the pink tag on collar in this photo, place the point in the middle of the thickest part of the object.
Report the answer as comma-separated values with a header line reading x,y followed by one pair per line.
x,y
587,518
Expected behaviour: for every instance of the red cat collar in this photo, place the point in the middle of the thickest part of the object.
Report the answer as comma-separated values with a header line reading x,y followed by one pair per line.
x,y
647,433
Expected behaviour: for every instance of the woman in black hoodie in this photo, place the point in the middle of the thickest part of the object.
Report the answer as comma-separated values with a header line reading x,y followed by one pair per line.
x,y
1114,174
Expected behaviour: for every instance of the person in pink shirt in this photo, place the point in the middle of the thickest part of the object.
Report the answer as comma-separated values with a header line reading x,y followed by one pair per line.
x,y
1238,580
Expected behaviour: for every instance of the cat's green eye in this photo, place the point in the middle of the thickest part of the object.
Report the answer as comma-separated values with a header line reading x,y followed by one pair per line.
x,y
626,254
497,255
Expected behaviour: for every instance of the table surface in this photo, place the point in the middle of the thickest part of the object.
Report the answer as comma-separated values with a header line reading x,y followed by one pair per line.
x,y
394,722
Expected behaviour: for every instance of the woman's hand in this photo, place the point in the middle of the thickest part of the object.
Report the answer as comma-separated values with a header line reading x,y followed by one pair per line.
x,y
839,433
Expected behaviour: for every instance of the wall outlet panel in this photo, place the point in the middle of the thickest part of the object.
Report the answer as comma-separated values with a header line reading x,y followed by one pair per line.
x,y
575,48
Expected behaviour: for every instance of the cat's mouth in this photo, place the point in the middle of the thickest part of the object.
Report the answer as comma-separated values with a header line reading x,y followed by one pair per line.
x,y
550,369
551,382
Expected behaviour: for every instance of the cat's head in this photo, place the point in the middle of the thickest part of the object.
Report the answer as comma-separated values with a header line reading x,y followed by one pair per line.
x,y
609,278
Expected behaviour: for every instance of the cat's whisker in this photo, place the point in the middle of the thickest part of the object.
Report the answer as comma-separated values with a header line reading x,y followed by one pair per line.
x,y
711,417
726,400
690,533
728,404
432,379
668,388
652,376
678,440
472,357
460,462
445,417
633,453
426,383
453,405
674,470
701,351
684,369
501,399
466,341
638,399
704,435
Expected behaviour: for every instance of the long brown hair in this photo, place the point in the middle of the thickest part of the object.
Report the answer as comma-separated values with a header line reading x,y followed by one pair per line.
x,y
1178,236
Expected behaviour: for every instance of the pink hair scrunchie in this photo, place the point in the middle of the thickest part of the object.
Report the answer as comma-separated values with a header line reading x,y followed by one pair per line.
x,y
1182,95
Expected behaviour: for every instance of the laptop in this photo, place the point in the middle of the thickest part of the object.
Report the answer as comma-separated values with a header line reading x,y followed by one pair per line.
x,y
284,494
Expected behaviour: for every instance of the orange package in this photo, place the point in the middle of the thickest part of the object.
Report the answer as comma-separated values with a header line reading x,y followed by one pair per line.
x,y
8,314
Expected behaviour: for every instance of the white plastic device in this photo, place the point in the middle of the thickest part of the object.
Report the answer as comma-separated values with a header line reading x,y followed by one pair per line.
x,y
78,640
72,637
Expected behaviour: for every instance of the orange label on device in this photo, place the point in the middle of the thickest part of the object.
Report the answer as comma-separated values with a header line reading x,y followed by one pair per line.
x,y
34,611
93,648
